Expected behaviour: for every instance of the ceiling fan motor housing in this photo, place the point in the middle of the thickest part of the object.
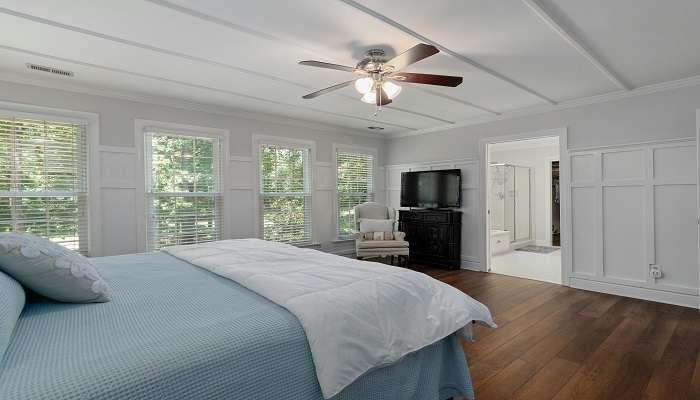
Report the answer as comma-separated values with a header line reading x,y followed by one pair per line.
x,y
373,61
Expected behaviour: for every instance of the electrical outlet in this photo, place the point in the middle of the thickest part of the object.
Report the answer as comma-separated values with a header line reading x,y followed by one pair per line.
x,y
655,271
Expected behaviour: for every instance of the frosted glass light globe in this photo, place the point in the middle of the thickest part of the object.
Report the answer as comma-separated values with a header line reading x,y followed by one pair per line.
x,y
370,97
364,85
391,89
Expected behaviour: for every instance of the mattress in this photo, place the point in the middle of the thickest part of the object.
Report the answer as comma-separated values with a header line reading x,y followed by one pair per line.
x,y
176,331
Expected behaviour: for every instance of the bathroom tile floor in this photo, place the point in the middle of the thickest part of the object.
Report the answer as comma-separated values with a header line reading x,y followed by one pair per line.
x,y
541,267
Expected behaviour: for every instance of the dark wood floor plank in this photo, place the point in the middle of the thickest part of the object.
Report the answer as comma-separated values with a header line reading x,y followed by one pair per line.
x,y
591,381
555,342
673,374
548,381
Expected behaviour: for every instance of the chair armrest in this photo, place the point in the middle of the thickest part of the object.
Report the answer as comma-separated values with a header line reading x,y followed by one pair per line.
x,y
357,236
399,235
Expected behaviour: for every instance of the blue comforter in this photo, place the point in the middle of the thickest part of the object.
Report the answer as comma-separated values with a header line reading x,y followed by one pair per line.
x,y
175,331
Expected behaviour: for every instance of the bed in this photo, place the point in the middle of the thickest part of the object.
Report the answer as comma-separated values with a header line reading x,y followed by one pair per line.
x,y
177,331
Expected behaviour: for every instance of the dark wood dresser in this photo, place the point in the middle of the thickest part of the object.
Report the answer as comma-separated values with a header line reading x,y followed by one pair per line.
x,y
435,236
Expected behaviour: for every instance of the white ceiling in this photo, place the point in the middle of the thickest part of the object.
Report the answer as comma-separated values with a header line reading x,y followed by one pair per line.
x,y
513,54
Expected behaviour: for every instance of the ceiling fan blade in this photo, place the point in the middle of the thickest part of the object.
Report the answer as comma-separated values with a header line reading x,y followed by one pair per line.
x,y
412,55
427,79
328,90
321,64
382,98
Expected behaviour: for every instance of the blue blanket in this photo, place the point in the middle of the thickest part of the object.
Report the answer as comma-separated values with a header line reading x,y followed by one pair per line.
x,y
175,331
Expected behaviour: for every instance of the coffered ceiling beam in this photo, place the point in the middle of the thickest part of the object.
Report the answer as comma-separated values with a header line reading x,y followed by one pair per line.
x,y
266,36
202,60
577,44
445,50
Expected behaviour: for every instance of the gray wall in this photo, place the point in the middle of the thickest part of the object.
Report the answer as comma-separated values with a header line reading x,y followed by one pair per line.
x,y
663,115
119,224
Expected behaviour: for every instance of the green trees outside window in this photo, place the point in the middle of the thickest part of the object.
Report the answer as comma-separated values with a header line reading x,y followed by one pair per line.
x,y
183,189
355,185
285,194
43,180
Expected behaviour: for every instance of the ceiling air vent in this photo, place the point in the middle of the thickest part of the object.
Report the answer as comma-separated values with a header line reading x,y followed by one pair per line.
x,y
51,70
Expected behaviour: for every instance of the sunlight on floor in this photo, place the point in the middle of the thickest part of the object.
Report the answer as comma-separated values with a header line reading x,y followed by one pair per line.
x,y
523,264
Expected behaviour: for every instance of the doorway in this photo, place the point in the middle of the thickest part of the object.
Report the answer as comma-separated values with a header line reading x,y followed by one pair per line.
x,y
523,207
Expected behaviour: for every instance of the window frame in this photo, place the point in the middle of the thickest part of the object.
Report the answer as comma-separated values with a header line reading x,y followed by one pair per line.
x,y
310,146
91,121
144,126
375,170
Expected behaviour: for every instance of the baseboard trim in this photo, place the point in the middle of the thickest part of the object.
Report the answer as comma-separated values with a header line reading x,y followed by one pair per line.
x,y
471,264
659,296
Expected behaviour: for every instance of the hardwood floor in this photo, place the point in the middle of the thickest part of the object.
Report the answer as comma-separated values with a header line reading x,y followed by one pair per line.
x,y
555,342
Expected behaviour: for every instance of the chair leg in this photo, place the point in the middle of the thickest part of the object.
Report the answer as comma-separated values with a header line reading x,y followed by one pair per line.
x,y
391,260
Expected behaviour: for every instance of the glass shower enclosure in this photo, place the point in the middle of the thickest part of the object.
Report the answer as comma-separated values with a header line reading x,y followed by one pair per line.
x,y
509,200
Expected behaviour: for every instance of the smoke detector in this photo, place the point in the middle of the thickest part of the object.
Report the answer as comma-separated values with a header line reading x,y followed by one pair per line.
x,y
51,70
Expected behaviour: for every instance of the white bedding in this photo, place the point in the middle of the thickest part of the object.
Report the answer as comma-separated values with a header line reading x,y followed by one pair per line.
x,y
357,315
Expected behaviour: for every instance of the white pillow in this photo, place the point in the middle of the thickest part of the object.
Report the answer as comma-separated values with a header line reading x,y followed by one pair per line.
x,y
51,270
376,225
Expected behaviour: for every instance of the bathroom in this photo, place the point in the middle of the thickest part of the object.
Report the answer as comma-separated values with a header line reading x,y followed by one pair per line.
x,y
523,209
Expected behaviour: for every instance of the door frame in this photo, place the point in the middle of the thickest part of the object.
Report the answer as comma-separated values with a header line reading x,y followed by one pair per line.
x,y
564,186
697,165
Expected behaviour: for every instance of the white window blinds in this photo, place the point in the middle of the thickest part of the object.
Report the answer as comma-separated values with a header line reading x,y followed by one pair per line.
x,y
183,189
43,180
355,185
285,194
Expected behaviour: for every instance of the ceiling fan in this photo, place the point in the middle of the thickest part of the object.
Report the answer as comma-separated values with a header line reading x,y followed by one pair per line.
x,y
378,75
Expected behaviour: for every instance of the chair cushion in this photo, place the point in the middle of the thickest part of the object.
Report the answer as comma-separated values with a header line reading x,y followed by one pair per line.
x,y
381,244
51,270
378,235
376,225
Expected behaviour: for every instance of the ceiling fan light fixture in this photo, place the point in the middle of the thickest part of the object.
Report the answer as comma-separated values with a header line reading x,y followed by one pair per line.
x,y
364,85
369,97
391,89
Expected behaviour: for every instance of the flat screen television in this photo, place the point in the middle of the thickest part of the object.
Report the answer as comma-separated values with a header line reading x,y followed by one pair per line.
x,y
431,189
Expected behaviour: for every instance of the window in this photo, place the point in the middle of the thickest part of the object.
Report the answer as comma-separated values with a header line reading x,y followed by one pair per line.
x,y
355,185
183,189
285,194
43,180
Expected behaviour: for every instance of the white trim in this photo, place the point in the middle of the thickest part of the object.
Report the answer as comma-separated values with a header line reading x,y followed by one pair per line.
x,y
140,128
633,145
374,152
541,109
679,299
117,149
697,182
93,166
557,27
310,145
548,205
564,183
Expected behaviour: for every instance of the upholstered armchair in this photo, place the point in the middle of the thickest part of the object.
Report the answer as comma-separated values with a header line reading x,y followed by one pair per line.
x,y
366,247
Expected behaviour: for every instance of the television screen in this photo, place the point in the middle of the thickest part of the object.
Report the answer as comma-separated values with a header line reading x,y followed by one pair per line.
x,y
431,189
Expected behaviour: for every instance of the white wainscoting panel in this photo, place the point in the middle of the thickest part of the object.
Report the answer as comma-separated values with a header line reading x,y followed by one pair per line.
x,y
241,173
634,206
624,234
584,225
241,217
583,168
118,221
118,169
676,235
623,165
